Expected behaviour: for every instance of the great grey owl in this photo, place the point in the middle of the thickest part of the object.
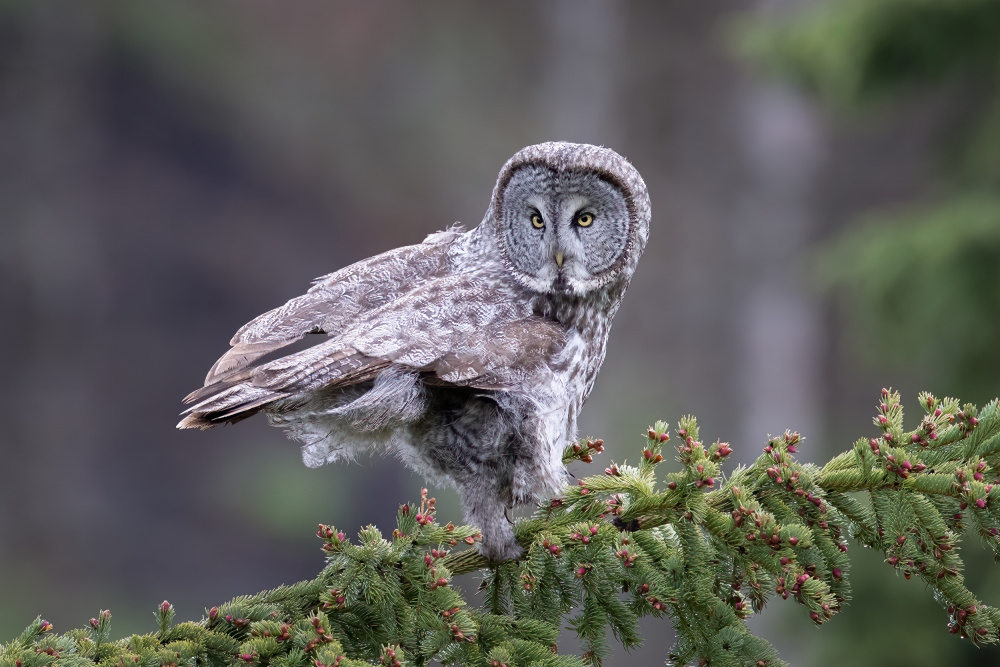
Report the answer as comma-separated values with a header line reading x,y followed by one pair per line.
x,y
468,355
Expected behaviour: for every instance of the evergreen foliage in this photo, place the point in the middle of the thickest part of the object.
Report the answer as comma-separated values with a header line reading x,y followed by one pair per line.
x,y
931,260
856,51
693,546
897,271
902,268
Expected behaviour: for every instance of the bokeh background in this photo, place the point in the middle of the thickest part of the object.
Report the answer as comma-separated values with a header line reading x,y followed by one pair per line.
x,y
824,177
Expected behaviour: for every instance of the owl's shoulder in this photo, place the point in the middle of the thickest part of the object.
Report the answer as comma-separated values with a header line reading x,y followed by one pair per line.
x,y
399,266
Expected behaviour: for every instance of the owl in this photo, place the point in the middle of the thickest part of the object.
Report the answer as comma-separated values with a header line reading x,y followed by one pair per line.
x,y
470,355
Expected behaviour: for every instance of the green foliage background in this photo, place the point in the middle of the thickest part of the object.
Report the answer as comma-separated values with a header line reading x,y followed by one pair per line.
x,y
920,284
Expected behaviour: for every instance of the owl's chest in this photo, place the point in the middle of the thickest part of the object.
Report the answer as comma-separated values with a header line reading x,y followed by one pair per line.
x,y
586,323
579,361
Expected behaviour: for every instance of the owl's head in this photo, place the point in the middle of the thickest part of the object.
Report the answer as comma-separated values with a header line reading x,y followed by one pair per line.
x,y
569,218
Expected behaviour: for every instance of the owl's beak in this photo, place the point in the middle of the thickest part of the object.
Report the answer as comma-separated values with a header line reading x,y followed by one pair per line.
x,y
559,259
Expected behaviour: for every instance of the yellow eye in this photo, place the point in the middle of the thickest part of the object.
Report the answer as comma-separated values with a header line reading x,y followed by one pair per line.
x,y
536,221
585,219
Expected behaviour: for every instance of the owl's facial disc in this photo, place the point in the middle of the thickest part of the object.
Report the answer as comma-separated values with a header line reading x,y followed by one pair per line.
x,y
564,232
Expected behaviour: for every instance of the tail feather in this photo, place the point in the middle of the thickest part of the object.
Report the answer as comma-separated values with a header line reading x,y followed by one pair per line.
x,y
243,392
227,404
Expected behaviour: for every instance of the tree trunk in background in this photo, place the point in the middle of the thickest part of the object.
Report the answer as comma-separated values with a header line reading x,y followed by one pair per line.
x,y
579,87
778,326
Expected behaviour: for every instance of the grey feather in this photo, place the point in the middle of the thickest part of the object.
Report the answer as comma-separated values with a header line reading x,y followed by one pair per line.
x,y
469,355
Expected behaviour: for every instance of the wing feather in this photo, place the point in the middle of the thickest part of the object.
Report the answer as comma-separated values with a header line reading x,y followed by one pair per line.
x,y
335,301
453,329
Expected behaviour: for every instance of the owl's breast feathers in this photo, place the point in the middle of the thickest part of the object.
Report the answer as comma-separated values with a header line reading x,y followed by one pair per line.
x,y
415,307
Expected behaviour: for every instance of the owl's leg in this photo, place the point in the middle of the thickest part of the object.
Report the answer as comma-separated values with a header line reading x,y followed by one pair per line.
x,y
484,506
537,470
467,441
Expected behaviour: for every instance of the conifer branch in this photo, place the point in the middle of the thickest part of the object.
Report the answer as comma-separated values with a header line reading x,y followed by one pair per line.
x,y
700,549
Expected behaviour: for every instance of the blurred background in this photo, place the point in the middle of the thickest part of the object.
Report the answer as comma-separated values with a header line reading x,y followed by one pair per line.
x,y
824,177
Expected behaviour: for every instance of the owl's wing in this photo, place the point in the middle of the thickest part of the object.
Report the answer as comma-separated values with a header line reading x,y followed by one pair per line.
x,y
453,330
460,330
335,301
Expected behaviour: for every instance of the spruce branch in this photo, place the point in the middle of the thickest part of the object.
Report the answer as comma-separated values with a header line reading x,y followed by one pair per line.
x,y
693,546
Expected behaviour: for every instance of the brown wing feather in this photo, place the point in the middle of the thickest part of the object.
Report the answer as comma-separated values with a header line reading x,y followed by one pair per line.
x,y
245,392
455,329
335,302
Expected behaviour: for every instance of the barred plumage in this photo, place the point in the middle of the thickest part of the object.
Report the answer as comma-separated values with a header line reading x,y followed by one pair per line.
x,y
469,355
